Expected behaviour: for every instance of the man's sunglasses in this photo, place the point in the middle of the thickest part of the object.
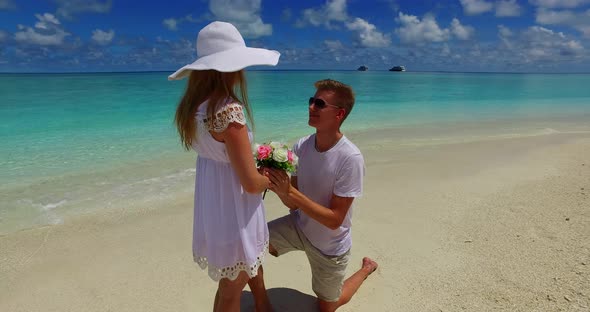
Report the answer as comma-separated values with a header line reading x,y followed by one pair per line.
x,y
319,103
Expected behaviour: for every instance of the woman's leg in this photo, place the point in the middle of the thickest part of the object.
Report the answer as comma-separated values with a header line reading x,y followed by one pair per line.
x,y
216,302
229,293
256,284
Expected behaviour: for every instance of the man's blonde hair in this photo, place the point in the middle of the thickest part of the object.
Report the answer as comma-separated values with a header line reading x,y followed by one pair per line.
x,y
344,94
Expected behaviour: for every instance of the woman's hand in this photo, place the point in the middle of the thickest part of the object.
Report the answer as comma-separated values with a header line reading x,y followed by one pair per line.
x,y
264,171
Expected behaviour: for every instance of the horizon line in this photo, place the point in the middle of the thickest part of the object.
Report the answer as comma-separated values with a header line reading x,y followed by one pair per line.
x,y
278,70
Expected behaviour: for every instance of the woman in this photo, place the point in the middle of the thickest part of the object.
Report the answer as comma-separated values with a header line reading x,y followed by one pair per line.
x,y
230,235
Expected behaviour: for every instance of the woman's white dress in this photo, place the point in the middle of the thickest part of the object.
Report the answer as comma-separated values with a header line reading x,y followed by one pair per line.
x,y
229,229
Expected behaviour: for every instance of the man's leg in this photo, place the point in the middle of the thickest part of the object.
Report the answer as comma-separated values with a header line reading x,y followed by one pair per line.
x,y
350,287
272,250
283,236
256,284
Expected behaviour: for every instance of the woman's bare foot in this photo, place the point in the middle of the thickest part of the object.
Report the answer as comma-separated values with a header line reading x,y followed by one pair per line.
x,y
369,265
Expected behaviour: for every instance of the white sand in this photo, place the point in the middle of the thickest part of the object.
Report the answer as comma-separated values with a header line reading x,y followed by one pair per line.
x,y
499,224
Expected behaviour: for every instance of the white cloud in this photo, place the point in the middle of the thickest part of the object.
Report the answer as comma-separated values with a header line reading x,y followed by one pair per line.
x,y
333,45
474,7
336,10
244,14
46,21
503,8
533,49
414,30
446,50
48,31
367,34
508,8
585,29
7,5
171,23
541,44
574,45
552,4
460,31
579,21
255,29
554,17
68,8
332,11
103,37
3,35
504,31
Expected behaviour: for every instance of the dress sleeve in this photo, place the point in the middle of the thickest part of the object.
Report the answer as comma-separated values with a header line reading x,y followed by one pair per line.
x,y
232,112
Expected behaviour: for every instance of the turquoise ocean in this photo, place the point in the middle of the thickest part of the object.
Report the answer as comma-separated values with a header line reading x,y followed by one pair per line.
x,y
76,144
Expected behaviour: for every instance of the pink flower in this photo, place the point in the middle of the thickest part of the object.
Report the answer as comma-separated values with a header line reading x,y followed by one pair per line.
x,y
290,156
264,152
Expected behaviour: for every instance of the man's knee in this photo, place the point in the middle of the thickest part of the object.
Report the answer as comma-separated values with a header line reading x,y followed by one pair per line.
x,y
272,250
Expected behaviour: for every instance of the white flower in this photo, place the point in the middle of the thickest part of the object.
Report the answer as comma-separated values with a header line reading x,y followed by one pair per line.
x,y
275,145
280,154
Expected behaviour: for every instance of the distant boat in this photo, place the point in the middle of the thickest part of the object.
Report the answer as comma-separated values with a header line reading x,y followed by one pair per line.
x,y
397,68
363,68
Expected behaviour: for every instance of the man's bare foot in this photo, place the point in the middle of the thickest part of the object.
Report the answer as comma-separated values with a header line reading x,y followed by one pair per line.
x,y
369,265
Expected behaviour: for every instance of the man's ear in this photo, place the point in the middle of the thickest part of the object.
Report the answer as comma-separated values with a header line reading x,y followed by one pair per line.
x,y
341,113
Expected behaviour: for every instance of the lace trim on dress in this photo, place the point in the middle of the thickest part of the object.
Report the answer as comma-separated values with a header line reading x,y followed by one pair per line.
x,y
231,272
229,113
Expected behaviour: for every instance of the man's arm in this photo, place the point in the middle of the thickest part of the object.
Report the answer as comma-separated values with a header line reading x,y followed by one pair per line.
x,y
331,217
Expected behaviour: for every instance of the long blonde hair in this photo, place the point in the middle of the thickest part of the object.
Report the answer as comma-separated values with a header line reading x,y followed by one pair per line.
x,y
217,87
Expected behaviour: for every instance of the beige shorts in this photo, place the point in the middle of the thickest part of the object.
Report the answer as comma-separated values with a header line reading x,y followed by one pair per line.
x,y
327,272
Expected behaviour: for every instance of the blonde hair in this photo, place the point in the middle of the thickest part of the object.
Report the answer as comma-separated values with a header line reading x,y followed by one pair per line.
x,y
212,85
344,94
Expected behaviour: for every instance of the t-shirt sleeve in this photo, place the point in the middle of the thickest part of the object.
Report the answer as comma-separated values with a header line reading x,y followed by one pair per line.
x,y
349,179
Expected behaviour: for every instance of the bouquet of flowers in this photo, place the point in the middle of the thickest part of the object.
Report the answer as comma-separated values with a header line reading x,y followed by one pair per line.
x,y
275,155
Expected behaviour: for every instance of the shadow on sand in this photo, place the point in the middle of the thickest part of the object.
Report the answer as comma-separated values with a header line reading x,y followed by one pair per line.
x,y
283,300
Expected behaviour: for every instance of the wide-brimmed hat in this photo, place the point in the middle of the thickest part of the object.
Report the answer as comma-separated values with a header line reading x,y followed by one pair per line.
x,y
221,47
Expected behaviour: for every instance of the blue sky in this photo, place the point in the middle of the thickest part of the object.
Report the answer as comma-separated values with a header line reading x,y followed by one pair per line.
x,y
456,35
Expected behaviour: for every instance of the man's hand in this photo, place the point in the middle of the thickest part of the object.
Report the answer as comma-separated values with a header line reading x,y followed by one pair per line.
x,y
280,181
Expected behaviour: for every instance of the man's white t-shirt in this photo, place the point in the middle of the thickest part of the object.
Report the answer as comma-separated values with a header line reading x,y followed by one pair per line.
x,y
338,171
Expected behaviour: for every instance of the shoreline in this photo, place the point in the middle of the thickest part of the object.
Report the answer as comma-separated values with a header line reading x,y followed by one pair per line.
x,y
128,184
472,224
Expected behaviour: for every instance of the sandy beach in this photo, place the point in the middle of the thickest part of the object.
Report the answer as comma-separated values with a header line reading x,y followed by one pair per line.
x,y
497,223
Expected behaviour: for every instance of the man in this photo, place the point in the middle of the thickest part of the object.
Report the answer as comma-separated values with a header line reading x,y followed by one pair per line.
x,y
320,196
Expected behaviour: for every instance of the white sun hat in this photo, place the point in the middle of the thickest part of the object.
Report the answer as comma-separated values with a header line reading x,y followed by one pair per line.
x,y
221,47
